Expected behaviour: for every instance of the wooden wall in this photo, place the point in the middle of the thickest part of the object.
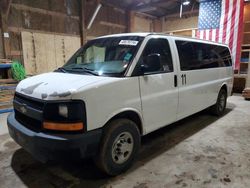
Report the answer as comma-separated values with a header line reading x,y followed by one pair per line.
x,y
109,20
46,52
143,24
172,24
57,18
46,16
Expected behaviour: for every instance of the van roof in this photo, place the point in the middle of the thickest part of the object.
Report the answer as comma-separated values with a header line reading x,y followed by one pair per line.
x,y
145,34
127,34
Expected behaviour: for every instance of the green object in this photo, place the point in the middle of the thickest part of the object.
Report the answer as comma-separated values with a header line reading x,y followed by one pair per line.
x,y
18,71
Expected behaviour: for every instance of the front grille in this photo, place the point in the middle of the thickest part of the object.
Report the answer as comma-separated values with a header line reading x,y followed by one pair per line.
x,y
29,122
34,103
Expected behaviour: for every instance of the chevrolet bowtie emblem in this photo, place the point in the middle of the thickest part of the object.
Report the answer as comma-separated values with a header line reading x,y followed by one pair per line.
x,y
23,109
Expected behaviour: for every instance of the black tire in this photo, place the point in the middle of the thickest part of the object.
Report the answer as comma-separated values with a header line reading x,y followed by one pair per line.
x,y
219,108
118,137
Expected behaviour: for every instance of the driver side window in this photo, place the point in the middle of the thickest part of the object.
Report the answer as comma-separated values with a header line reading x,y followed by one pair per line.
x,y
160,47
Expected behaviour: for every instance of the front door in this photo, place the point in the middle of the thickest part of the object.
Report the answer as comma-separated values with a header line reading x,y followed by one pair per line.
x,y
159,92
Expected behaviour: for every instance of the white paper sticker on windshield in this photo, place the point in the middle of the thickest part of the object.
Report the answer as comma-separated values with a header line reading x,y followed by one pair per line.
x,y
128,42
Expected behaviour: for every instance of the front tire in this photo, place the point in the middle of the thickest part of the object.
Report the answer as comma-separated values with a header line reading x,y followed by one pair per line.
x,y
119,146
219,108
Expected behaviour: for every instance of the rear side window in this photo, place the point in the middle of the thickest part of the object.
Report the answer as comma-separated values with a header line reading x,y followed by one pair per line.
x,y
194,55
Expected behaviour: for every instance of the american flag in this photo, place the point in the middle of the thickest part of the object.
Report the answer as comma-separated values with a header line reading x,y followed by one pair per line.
x,y
222,21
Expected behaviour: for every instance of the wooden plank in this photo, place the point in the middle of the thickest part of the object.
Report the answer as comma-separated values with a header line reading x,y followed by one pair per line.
x,y
82,23
6,101
8,8
16,52
245,50
131,21
145,15
7,81
142,24
112,24
72,44
5,61
180,30
47,52
114,7
177,15
51,54
42,11
29,55
5,40
18,30
60,50
40,41
1,44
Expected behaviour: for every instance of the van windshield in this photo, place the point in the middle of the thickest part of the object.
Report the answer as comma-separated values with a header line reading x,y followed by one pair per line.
x,y
104,56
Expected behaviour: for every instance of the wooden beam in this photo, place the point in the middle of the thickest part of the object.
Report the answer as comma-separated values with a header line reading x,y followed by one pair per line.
x,y
144,15
99,5
18,30
152,4
180,30
135,4
5,39
157,25
83,22
41,11
131,21
116,8
16,52
112,24
177,15
8,9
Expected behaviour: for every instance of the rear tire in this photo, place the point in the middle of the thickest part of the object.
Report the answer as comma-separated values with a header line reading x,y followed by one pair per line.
x,y
219,108
119,146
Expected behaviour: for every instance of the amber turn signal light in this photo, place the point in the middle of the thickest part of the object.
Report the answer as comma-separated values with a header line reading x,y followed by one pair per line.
x,y
63,126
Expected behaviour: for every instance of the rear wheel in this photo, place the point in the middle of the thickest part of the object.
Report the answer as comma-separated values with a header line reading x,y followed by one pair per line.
x,y
220,105
119,146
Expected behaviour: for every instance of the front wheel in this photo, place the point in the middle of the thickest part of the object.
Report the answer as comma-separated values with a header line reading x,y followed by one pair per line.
x,y
220,105
119,146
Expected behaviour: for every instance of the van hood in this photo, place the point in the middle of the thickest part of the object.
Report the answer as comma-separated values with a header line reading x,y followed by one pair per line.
x,y
52,86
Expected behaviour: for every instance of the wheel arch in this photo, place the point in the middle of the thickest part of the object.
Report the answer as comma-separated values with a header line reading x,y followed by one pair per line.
x,y
224,86
130,114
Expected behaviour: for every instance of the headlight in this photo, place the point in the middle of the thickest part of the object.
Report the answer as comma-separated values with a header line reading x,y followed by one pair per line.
x,y
65,111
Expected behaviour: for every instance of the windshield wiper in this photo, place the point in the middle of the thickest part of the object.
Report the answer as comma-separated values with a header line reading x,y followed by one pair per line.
x,y
61,69
84,69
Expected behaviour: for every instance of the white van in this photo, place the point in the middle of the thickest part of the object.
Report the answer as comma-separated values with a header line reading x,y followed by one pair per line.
x,y
116,89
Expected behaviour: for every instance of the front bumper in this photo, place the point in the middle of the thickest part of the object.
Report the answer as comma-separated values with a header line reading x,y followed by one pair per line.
x,y
47,146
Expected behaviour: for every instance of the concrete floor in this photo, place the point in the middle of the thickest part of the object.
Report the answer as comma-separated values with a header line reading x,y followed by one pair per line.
x,y
200,151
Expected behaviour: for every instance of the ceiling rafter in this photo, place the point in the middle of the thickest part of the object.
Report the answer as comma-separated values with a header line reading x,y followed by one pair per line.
x,y
156,8
154,4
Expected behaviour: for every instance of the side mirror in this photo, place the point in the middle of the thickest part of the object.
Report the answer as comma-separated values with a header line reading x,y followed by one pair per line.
x,y
151,63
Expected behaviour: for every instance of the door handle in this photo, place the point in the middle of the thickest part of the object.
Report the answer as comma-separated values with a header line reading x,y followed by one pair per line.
x,y
175,81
